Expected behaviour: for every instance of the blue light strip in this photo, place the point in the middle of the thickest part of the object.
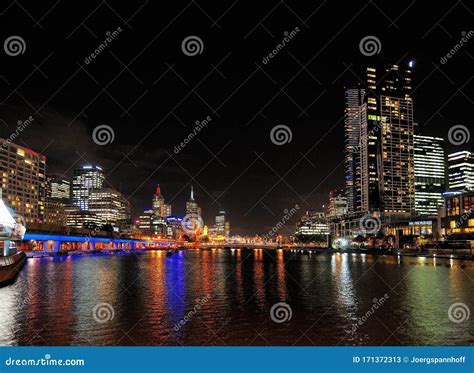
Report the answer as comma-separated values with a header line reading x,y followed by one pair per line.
x,y
49,237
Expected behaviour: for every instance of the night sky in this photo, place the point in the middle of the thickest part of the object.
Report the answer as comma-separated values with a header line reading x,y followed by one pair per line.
x,y
151,93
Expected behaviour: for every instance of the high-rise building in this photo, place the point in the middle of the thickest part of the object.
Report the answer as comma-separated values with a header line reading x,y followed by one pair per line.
x,y
23,180
77,218
84,180
337,203
58,188
461,171
110,206
382,164
352,127
313,226
429,174
158,202
222,225
192,207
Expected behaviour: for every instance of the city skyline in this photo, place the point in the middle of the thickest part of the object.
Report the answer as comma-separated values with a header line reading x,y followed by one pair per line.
x,y
233,152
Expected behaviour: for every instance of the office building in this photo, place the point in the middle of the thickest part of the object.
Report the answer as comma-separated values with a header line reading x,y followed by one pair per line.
x,y
461,171
312,227
23,181
58,188
84,180
110,206
429,164
337,205
191,206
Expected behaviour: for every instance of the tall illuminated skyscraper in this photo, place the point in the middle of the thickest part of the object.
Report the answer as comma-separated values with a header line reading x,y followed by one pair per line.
x,y
429,174
383,161
461,171
191,206
84,180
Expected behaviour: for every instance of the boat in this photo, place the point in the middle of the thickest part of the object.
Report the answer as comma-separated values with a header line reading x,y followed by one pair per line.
x,y
169,253
10,266
11,229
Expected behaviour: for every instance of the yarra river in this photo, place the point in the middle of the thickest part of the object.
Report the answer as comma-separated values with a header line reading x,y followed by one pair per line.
x,y
239,297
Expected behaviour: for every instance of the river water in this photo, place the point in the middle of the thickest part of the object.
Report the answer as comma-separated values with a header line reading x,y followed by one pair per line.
x,y
225,297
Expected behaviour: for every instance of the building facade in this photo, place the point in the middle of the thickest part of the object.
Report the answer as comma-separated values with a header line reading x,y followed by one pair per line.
x,y
110,206
84,180
23,173
461,171
429,174
337,205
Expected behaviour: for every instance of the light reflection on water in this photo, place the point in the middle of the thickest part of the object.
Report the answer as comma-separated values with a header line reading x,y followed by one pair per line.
x,y
52,300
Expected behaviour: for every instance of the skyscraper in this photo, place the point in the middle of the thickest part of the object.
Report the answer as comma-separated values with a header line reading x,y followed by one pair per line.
x,y
381,165
191,206
23,180
58,195
84,180
429,174
158,202
461,171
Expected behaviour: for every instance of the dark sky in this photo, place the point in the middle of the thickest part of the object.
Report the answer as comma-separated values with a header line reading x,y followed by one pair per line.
x,y
151,93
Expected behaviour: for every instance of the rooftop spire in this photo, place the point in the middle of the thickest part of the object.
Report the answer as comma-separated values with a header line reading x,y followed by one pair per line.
x,y
158,190
192,193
